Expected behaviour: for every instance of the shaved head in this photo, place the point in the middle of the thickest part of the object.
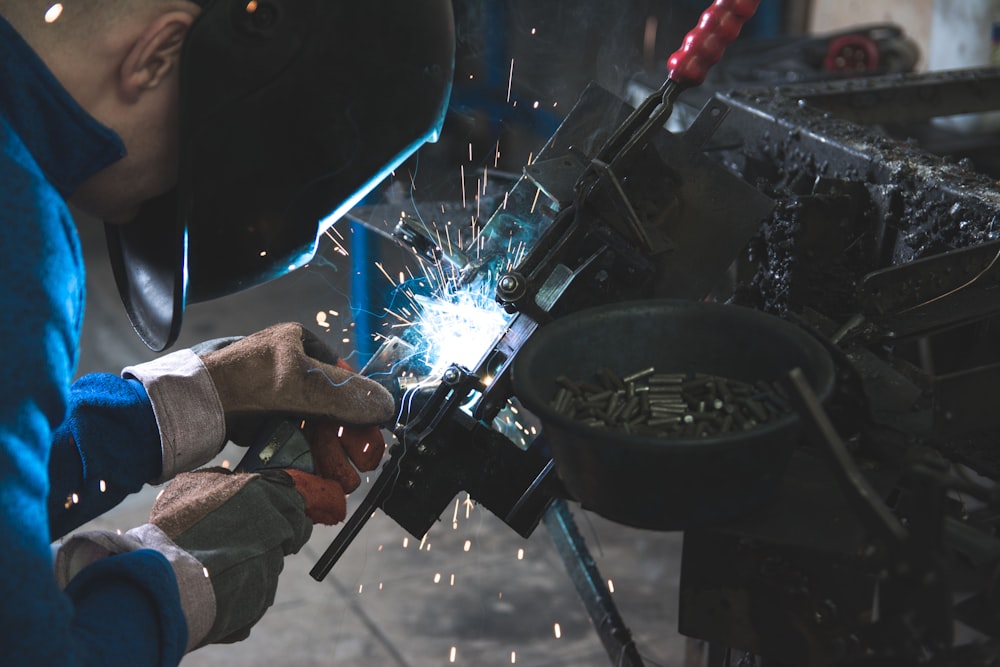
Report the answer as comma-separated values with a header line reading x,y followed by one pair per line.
x,y
47,24
119,59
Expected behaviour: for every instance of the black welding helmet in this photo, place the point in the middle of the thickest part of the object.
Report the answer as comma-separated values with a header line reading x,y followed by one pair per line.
x,y
291,111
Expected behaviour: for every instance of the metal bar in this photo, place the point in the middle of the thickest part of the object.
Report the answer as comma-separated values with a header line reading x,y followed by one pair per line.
x,y
611,629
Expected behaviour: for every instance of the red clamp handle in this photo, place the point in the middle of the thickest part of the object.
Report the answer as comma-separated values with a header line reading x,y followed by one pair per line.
x,y
717,28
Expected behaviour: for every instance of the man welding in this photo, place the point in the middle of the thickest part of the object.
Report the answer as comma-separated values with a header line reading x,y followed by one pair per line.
x,y
217,139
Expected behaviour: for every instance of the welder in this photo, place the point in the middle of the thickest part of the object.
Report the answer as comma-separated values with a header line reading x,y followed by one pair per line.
x,y
217,139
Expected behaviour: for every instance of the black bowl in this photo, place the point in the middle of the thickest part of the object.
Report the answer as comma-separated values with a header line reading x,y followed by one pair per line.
x,y
668,483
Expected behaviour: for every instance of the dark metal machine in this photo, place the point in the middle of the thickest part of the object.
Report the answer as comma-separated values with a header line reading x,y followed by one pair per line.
x,y
821,204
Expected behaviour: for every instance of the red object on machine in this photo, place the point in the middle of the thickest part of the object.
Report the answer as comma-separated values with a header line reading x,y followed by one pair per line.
x,y
717,28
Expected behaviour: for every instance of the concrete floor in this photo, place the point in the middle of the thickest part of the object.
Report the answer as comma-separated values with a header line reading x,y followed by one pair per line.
x,y
475,594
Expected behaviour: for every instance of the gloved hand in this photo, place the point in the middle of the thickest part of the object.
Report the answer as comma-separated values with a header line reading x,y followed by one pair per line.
x,y
225,535
286,369
283,370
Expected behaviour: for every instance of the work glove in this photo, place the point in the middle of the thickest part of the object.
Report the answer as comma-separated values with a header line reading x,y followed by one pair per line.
x,y
225,535
228,388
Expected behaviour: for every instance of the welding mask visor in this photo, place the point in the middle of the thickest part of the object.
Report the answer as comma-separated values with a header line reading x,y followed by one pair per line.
x,y
291,111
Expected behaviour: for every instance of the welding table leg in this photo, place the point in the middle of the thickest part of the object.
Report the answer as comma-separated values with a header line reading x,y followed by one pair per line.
x,y
572,548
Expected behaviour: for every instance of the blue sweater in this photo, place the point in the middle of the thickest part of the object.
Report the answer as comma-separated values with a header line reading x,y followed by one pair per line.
x,y
96,439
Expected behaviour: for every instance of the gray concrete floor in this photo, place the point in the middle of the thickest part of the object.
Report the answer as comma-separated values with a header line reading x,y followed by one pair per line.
x,y
475,594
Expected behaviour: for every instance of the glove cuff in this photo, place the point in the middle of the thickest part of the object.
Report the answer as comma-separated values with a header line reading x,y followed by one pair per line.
x,y
187,408
196,591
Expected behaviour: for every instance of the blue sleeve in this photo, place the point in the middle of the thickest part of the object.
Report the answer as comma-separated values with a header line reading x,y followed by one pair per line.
x,y
41,297
107,447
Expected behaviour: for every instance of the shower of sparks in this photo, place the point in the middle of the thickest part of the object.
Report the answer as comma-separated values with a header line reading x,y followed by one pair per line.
x,y
457,326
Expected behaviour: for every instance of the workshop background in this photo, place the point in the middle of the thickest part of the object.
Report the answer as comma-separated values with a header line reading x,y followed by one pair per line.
x,y
473,592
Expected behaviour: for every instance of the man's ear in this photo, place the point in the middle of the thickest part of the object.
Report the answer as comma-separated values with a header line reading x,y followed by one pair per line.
x,y
154,54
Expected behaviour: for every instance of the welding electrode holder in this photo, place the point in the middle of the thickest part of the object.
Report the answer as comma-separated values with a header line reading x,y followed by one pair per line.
x,y
702,47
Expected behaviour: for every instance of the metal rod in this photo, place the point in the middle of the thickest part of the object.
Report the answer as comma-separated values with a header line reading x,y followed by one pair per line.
x,y
590,586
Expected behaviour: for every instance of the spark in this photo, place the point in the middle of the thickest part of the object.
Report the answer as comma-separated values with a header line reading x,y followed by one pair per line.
x,y
321,320
468,505
104,486
423,541
452,582
437,577
470,151
464,202
611,586
513,657
520,554
204,571
468,546
557,629
510,80
538,191
378,265
453,654
406,542
53,13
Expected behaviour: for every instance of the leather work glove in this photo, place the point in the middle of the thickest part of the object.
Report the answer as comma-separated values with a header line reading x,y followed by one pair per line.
x,y
225,535
228,388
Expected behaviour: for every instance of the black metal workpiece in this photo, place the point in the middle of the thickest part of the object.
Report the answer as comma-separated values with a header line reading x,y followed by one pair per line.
x,y
887,250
